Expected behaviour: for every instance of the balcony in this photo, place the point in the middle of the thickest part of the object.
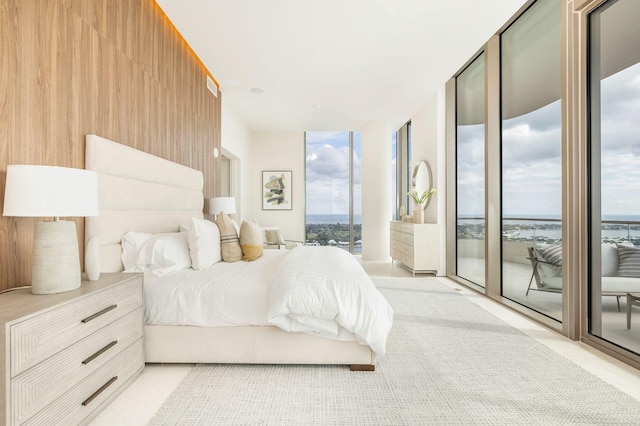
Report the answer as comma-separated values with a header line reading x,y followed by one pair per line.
x,y
520,233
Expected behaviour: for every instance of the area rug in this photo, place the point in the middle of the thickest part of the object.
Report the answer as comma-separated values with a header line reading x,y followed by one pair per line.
x,y
448,362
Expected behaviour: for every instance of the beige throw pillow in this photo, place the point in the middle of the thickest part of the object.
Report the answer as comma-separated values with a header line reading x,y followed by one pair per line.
x,y
250,241
229,242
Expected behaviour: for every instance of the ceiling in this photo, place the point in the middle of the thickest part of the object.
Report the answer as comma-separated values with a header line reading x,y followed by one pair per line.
x,y
333,64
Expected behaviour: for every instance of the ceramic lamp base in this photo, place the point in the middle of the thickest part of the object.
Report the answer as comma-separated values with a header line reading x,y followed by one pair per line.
x,y
92,259
56,260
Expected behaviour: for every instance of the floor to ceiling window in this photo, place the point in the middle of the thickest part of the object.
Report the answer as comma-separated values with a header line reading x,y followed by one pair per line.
x,y
614,31
402,160
470,167
333,190
395,205
531,159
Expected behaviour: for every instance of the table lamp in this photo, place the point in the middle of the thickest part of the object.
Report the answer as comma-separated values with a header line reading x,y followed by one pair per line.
x,y
49,191
218,205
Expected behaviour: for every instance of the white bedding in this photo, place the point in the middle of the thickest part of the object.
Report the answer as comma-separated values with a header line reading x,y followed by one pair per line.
x,y
226,294
324,291
316,290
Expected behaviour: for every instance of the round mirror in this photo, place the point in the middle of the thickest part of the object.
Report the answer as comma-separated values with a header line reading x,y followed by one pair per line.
x,y
421,180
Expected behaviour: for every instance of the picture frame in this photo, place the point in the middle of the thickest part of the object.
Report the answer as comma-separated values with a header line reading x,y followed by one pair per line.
x,y
276,190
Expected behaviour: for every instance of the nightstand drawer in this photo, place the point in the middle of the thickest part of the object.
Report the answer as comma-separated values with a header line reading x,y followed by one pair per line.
x,y
34,389
78,404
37,338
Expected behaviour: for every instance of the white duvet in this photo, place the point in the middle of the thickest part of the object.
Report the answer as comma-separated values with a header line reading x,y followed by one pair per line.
x,y
323,290
318,290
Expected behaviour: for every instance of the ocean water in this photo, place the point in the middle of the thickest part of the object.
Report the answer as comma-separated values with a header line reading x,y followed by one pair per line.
x,y
332,218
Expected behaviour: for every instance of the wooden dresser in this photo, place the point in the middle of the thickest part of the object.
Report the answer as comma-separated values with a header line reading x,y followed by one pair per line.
x,y
416,246
65,356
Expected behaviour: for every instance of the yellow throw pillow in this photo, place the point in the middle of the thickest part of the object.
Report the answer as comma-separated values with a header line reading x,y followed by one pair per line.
x,y
229,242
250,241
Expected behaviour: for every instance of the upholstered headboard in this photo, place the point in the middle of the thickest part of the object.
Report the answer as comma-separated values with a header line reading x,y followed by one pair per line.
x,y
137,192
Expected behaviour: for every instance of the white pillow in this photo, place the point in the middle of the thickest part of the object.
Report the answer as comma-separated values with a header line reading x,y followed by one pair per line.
x,y
157,253
204,243
136,254
170,253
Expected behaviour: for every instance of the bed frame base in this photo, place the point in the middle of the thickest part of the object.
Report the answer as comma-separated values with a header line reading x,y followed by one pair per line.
x,y
251,345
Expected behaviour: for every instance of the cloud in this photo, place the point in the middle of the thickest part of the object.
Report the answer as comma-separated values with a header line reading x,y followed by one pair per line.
x,y
327,173
619,103
531,167
620,142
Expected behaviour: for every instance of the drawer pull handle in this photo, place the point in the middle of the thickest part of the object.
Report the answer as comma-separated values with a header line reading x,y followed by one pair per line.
x,y
97,314
100,352
99,391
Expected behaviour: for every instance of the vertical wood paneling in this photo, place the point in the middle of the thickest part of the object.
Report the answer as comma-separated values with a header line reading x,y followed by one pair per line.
x,y
117,68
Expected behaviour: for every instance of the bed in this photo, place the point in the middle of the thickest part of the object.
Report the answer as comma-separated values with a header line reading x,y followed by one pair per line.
x,y
144,193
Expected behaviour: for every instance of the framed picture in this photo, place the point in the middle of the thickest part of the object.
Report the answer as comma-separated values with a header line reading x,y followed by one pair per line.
x,y
276,190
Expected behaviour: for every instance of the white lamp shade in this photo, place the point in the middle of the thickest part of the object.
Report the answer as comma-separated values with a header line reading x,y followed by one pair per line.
x,y
49,191
222,204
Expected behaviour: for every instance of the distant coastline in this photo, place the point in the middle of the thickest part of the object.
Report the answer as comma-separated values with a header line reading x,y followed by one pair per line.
x,y
610,217
332,218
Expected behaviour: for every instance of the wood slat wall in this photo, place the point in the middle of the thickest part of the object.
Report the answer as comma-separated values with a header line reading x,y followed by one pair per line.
x,y
116,68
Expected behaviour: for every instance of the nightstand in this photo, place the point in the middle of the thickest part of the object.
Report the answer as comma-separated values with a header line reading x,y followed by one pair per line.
x,y
67,355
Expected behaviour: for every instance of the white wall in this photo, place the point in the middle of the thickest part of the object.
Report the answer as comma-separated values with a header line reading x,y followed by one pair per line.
x,y
424,146
279,151
376,191
428,143
236,144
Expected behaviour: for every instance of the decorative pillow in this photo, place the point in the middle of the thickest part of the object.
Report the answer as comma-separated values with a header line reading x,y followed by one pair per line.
x,y
250,241
609,260
204,243
274,236
629,261
229,242
552,254
157,253
545,269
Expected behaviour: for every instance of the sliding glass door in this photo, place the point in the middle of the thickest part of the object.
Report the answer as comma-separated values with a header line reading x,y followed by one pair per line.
x,y
470,170
614,307
531,159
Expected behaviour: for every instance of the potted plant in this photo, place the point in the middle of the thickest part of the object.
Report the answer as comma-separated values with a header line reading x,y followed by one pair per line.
x,y
421,201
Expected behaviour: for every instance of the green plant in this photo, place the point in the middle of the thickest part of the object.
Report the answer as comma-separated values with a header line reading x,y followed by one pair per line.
x,y
420,199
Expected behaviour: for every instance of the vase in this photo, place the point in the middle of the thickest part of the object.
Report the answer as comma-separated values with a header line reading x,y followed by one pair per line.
x,y
418,214
92,259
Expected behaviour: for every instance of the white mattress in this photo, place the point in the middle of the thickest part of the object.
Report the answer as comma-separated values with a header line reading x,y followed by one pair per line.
x,y
227,294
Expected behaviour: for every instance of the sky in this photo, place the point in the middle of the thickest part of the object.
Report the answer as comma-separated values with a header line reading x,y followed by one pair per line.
x,y
327,169
531,149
